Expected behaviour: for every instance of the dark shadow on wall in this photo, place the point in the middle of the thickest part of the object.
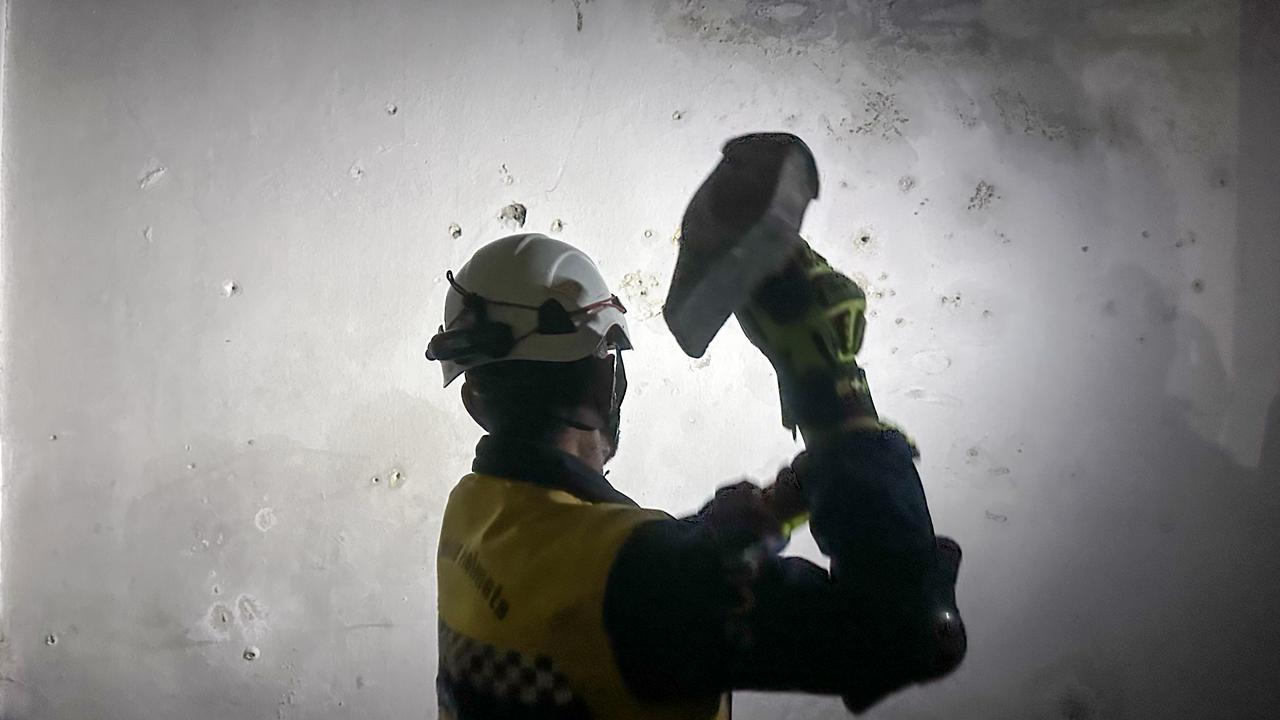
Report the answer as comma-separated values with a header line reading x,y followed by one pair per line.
x,y
1269,467
1156,595
1256,345
1183,538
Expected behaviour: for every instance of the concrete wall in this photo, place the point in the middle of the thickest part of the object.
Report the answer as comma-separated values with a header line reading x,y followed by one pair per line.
x,y
226,226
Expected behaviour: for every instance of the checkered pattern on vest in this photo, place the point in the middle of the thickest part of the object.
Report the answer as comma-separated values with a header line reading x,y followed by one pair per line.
x,y
477,679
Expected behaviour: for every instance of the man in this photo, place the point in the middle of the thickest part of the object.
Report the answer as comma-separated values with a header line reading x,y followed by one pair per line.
x,y
560,597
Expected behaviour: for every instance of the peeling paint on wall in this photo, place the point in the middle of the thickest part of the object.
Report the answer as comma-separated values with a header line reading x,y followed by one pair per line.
x,y
154,174
644,293
983,195
882,117
513,216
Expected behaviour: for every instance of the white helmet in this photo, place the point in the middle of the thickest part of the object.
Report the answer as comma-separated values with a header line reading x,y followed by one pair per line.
x,y
526,297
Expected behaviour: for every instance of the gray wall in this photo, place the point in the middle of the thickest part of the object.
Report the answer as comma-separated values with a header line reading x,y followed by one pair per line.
x,y
226,226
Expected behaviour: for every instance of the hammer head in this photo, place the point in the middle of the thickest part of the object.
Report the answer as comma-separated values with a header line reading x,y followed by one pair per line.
x,y
741,226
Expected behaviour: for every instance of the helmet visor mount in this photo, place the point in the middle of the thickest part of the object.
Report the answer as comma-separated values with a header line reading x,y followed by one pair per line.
x,y
614,428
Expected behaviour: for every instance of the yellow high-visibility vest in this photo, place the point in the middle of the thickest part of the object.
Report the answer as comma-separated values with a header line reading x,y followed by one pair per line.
x,y
521,573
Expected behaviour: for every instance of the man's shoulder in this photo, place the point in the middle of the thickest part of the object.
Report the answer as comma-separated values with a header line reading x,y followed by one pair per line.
x,y
490,499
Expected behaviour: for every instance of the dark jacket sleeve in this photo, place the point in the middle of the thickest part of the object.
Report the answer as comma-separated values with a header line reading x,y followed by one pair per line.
x,y
691,613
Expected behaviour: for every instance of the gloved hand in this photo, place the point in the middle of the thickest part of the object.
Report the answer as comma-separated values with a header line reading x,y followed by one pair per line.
x,y
743,515
808,320
740,517
785,498
746,532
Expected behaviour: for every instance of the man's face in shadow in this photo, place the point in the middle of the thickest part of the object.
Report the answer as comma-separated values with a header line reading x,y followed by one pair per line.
x,y
612,431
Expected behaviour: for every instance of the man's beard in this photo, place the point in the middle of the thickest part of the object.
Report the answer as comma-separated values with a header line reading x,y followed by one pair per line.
x,y
612,436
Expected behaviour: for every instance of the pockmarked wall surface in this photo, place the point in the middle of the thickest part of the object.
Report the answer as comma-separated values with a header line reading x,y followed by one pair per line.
x,y
225,232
